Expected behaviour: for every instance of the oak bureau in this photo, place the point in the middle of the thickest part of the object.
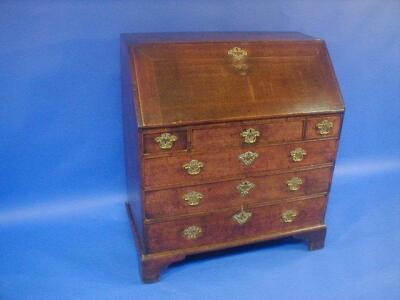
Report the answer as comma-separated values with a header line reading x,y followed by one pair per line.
x,y
230,139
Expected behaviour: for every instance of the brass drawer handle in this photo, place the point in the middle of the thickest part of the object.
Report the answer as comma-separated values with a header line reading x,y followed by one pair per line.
x,y
294,183
166,140
248,157
192,232
242,217
193,198
250,135
245,187
298,154
288,216
193,167
238,58
324,127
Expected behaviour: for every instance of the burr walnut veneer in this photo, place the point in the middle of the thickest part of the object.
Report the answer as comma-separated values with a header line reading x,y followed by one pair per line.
x,y
230,139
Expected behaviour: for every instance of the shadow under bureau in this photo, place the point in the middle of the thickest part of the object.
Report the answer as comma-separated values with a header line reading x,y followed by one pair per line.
x,y
230,139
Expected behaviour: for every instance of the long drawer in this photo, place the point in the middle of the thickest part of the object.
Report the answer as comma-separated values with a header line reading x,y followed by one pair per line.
x,y
219,195
196,168
235,224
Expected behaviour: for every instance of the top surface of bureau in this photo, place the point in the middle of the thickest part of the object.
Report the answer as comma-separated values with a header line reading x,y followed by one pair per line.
x,y
186,79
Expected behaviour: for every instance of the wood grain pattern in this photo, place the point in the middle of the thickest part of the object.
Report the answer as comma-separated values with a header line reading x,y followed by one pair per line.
x,y
169,170
218,137
192,83
312,131
185,84
219,195
219,226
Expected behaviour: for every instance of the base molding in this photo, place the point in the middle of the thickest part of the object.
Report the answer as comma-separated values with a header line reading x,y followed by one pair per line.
x,y
152,264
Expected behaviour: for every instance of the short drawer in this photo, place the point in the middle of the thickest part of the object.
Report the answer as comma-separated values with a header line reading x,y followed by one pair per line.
x,y
235,224
247,134
165,141
219,195
320,127
196,168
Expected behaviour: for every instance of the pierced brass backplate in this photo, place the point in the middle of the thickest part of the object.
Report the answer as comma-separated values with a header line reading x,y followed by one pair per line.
x,y
250,135
193,167
288,216
238,59
166,140
192,232
242,217
248,157
324,127
294,183
298,154
245,187
237,53
193,198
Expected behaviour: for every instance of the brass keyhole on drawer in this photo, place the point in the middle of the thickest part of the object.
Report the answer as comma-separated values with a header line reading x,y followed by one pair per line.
x,y
324,127
294,183
193,198
242,217
166,140
298,154
192,232
250,135
193,167
288,216
245,187
248,157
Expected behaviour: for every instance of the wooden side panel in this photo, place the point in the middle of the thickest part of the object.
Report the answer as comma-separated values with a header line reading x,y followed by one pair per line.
x,y
220,195
220,226
132,139
164,171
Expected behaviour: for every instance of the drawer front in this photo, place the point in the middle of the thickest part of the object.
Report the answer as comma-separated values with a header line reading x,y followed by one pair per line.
x,y
165,141
215,196
239,223
193,169
247,134
320,127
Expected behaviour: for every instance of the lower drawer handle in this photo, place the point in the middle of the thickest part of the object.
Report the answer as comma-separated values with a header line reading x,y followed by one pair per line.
x,y
192,232
242,217
193,198
298,154
288,216
294,183
193,167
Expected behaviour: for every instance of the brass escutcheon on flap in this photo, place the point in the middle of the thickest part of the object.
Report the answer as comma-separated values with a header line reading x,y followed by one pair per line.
x,y
298,154
248,157
242,217
193,198
166,140
193,167
294,183
245,187
324,127
238,58
192,232
288,216
250,135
